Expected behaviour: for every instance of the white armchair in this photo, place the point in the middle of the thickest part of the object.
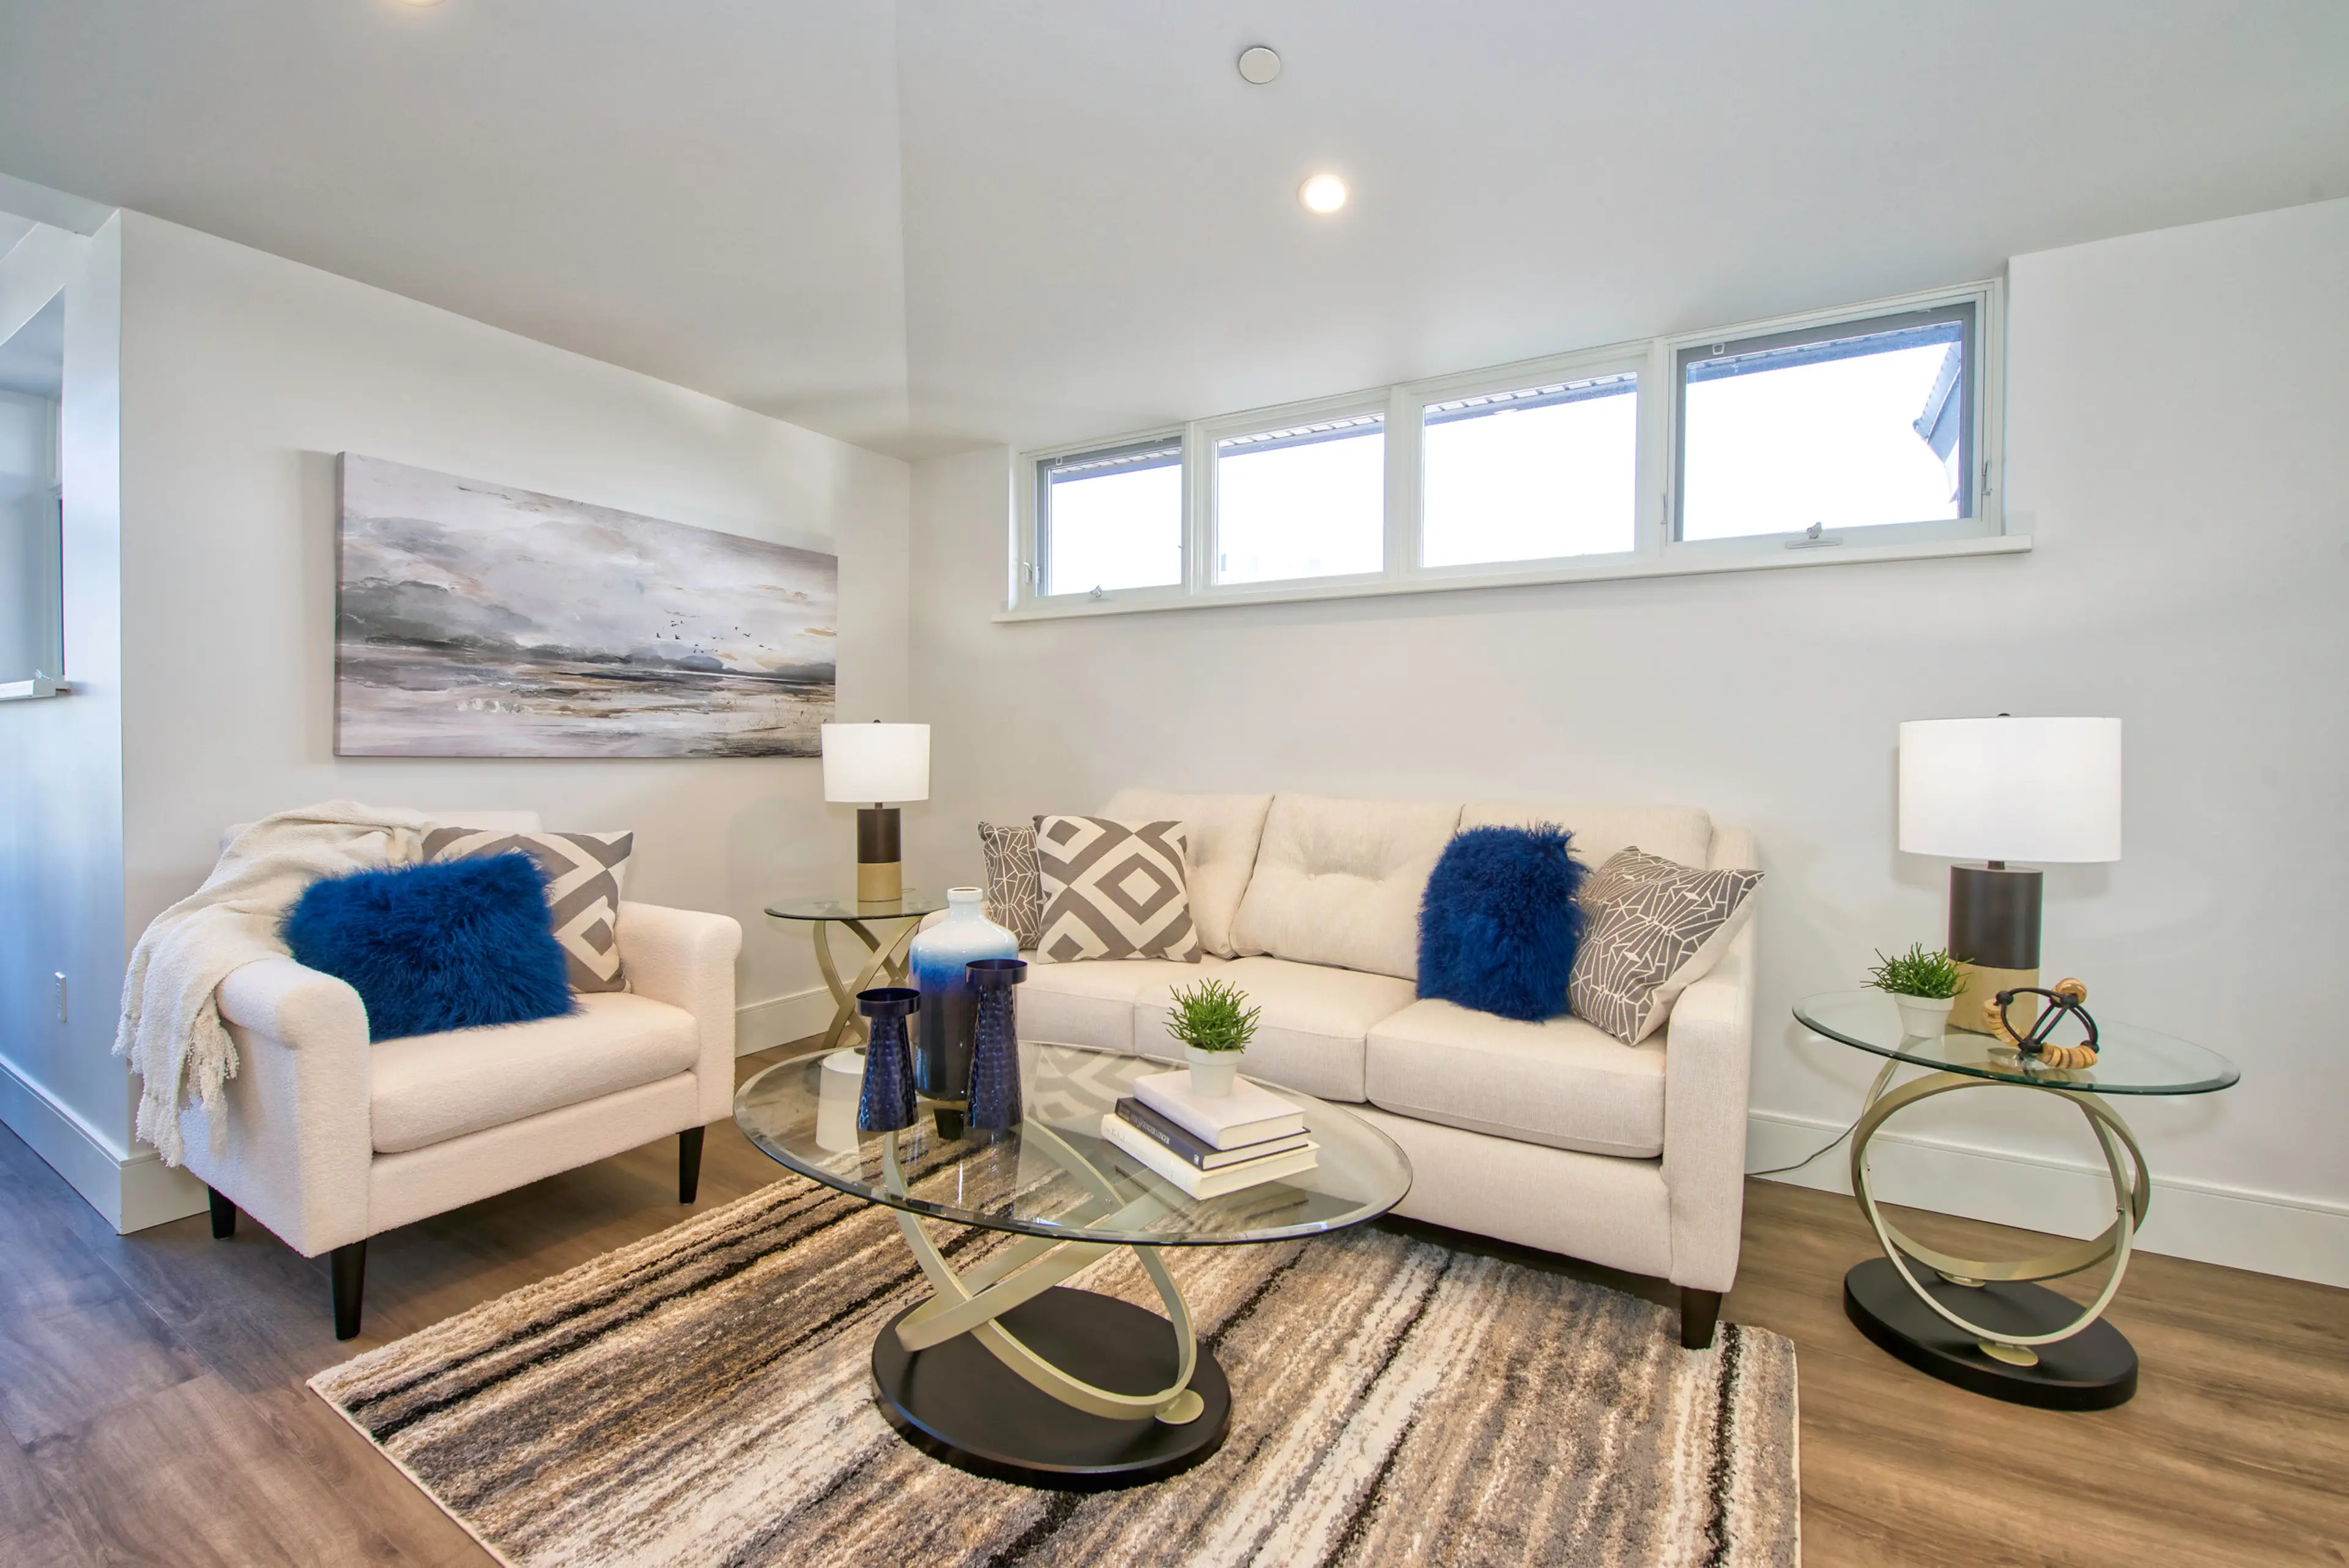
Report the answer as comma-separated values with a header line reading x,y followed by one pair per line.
x,y
327,1139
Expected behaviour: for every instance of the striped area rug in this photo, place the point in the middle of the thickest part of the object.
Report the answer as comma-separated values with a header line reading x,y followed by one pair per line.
x,y
703,1396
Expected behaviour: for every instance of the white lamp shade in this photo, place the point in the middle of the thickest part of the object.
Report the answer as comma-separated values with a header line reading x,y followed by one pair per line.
x,y
870,764
2011,789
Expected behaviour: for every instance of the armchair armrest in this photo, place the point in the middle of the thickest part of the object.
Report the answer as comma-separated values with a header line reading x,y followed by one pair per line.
x,y
293,1139
686,958
1708,1068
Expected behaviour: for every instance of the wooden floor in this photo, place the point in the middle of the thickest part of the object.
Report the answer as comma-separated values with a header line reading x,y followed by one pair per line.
x,y
151,1390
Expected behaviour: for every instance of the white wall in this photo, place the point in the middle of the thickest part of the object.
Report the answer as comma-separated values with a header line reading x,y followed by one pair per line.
x,y
245,374
61,763
242,376
2173,420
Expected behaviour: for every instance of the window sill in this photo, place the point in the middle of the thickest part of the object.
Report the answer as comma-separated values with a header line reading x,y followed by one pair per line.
x,y
1677,565
27,690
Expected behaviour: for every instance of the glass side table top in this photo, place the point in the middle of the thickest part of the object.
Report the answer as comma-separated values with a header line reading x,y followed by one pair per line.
x,y
1033,1179
2129,1060
915,902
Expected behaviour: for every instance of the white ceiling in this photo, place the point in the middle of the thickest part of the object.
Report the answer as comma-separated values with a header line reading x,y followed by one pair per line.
x,y
949,221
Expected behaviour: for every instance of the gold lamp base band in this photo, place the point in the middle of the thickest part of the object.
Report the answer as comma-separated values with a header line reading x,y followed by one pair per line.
x,y
1977,1004
880,881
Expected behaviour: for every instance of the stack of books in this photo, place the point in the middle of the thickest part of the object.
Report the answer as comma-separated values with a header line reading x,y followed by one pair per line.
x,y
1210,1147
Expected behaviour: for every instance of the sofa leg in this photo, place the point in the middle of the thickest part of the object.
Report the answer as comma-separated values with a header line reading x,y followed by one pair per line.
x,y
348,1266
688,1163
224,1215
1700,1310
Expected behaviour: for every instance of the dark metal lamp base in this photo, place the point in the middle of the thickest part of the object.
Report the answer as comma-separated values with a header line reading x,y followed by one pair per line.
x,y
958,1403
2096,1370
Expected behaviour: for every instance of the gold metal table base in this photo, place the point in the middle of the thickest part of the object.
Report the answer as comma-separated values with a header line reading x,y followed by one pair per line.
x,y
2132,1194
886,966
970,1302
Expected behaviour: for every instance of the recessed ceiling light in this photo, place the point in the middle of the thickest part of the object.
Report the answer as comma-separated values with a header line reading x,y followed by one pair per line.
x,y
1322,194
420,2
1258,65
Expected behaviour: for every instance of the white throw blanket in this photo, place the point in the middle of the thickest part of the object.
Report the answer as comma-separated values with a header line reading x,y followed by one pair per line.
x,y
171,1028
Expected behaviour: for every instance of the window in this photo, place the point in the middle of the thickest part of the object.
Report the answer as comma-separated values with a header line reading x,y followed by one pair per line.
x,y
1112,518
1869,433
1304,500
1532,474
1854,425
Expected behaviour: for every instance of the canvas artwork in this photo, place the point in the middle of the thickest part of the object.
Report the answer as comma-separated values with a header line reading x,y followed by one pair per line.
x,y
477,620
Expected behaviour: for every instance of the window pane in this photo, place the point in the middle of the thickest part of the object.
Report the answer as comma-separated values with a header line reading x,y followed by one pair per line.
x,y
1844,429
1306,502
1529,475
1112,519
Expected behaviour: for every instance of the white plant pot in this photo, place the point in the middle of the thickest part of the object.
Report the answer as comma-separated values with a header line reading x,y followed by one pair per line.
x,y
1212,1072
1924,1017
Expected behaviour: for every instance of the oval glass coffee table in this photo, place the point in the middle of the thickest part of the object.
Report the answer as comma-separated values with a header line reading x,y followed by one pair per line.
x,y
1004,1370
1989,1326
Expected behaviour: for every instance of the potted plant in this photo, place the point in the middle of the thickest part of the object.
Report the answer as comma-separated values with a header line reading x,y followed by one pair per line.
x,y
1924,985
1215,1024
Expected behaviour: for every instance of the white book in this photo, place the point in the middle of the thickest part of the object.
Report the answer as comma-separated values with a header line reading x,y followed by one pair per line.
x,y
1248,1114
1201,1184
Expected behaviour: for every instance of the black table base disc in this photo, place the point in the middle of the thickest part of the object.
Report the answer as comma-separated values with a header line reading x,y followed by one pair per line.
x,y
2096,1370
956,1402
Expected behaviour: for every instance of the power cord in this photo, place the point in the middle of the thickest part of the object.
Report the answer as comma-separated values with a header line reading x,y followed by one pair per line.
x,y
1782,1169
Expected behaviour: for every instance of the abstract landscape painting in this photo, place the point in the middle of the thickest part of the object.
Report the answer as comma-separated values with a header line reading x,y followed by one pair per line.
x,y
477,620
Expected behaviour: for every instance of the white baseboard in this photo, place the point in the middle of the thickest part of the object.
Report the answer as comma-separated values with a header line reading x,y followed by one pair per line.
x,y
780,1020
132,1189
2297,1237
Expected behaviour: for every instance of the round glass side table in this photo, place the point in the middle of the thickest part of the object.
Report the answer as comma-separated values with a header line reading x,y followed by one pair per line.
x,y
1989,1326
887,962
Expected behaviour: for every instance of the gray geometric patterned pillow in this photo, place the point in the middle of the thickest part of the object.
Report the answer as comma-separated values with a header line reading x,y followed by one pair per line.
x,y
1652,928
1015,894
1113,890
584,873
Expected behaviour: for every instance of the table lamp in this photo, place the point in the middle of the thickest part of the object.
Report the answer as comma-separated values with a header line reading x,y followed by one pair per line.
x,y
871,764
1999,790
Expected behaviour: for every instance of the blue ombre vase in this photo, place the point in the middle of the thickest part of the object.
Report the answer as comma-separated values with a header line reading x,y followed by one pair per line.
x,y
885,1101
995,1044
938,965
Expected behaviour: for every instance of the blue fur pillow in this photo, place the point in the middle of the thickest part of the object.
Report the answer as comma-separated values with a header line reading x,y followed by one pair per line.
x,y
447,945
1498,926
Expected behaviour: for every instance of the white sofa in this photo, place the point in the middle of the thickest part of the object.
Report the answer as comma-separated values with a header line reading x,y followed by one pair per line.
x,y
1551,1134
326,1139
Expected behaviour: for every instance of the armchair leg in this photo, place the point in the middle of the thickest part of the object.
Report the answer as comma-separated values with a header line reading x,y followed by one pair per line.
x,y
1700,1310
348,1266
224,1215
688,1163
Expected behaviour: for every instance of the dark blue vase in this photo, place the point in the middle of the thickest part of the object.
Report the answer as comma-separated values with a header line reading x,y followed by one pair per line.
x,y
939,959
995,1046
886,1100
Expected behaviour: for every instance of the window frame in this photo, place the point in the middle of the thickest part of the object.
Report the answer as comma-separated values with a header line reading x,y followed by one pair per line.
x,y
1656,552
1030,564
1984,372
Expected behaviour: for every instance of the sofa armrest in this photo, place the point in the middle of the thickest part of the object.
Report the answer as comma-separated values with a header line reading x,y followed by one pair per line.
x,y
686,958
1708,1068
293,1139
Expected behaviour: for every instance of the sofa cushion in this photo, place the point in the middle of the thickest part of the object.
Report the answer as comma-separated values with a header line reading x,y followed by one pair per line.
x,y
1314,1022
1558,1083
1091,1004
1338,882
1681,833
1651,928
1225,832
1113,890
429,1088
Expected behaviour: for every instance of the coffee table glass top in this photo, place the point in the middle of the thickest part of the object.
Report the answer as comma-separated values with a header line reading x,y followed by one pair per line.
x,y
2129,1060
915,902
1054,1175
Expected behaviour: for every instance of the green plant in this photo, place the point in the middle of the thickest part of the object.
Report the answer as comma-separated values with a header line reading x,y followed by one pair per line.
x,y
1212,1016
1932,975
